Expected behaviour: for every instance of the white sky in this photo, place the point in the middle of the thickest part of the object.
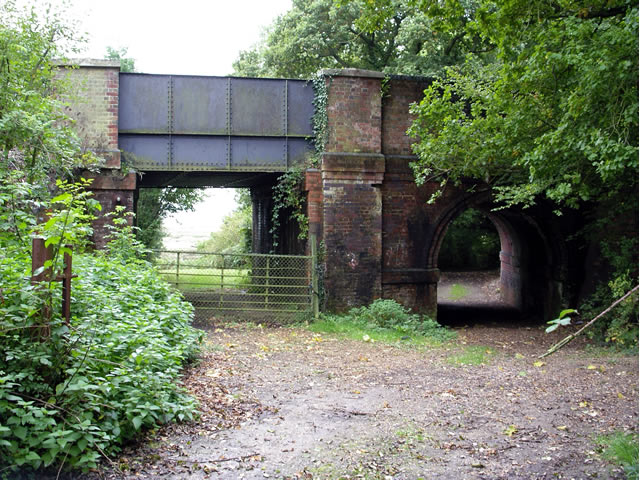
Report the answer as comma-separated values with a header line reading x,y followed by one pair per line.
x,y
182,37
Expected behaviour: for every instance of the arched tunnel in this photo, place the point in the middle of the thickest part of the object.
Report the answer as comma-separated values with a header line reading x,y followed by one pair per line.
x,y
533,261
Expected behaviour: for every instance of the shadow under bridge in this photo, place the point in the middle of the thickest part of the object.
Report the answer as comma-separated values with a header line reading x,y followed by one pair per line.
x,y
179,129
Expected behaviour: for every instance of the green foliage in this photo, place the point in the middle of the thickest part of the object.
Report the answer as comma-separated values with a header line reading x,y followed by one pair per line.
x,y
562,321
35,134
471,243
234,236
127,65
557,116
621,448
320,34
154,204
70,393
320,119
94,384
387,318
619,327
289,200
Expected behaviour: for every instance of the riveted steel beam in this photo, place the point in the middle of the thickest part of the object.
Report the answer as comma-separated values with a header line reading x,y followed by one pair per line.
x,y
188,123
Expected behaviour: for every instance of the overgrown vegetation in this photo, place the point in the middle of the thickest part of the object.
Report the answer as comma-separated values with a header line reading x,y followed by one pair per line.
x,y
386,321
622,449
71,392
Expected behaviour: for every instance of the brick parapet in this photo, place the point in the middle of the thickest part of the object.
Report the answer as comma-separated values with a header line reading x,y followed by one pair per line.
x,y
400,94
354,111
94,106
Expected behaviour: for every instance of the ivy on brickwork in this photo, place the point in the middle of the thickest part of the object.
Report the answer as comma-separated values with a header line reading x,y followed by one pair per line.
x,y
287,193
320,119
288,196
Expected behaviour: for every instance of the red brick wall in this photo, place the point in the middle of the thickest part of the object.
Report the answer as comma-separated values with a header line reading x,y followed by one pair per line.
x,y
400,94
354,110
352,228
95,109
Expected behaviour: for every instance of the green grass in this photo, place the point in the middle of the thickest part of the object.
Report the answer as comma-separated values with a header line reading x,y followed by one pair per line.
x,y
196,278
472,355
354,330
384,321
458,292
621,448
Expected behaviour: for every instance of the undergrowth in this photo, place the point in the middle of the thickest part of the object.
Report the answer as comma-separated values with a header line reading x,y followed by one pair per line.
x,y
622,449
384,321
73,393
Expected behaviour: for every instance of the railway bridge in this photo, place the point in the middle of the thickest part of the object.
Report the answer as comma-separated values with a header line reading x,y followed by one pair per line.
x,y
379,234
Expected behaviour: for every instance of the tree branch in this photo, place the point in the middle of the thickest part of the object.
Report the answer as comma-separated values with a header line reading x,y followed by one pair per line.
x,y
567,339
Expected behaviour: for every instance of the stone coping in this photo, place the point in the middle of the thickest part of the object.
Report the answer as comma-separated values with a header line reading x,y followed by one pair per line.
x,y
351,72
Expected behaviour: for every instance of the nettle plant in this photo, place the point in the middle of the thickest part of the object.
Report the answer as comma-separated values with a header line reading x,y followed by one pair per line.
x,y
77,393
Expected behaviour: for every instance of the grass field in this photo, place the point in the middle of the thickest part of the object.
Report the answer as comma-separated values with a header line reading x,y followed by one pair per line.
x,y
209,278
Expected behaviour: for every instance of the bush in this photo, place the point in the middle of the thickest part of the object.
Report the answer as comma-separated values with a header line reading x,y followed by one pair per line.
x,y
81,390
391,316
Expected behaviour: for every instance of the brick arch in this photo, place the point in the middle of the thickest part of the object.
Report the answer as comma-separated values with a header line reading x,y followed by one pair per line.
x,y
533,259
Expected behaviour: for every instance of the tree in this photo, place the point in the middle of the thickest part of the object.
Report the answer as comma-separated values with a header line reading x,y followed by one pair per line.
x,y
234,236
36,136
557,117
321,34
154,204
127,65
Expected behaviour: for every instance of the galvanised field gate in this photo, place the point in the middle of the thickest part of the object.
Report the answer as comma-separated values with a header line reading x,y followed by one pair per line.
x,y
256,287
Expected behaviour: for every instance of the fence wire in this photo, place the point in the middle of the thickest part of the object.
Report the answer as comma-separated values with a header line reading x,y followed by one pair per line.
x,y
251,286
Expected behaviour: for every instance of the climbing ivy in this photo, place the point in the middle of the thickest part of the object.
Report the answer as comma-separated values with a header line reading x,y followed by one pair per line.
x,y
288,196
320,119
287,193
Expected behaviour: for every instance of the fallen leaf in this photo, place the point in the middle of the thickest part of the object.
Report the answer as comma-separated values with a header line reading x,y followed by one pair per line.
x,y
510,430
538,363
561,427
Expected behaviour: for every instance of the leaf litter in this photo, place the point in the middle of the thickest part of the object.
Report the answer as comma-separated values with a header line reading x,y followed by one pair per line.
x,y
286,403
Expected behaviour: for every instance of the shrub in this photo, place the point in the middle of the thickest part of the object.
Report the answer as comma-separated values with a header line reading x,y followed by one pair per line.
x,y
389,315
84,389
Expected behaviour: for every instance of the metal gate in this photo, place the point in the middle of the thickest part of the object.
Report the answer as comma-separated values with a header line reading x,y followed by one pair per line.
x,y
250,286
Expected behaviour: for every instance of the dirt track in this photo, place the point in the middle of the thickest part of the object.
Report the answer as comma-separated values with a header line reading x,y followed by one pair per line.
x,y
287,403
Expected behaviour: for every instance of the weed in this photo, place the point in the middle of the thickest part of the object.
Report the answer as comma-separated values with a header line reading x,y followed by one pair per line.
x,y
384,321
621,448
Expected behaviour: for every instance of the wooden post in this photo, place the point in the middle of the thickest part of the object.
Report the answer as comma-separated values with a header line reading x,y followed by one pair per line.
x,y
315,300
66,288
39,256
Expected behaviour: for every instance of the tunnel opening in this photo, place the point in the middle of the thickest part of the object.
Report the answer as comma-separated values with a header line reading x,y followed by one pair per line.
x,y
256,195
513,280
473,287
